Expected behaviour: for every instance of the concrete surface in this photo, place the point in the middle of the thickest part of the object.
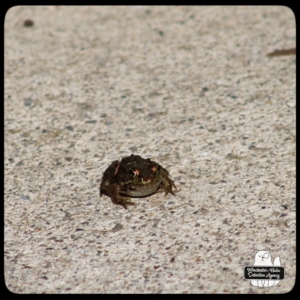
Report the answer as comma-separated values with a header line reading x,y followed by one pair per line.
x,y
190,87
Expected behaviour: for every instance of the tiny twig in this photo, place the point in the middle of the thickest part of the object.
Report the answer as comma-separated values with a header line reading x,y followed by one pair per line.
x,y
281,52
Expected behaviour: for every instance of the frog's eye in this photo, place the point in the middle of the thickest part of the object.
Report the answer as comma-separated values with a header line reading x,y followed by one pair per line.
x,y
131,173
154,168
134,172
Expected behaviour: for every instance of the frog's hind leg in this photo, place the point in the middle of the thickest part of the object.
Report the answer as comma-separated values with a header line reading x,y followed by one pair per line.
x,y
167,185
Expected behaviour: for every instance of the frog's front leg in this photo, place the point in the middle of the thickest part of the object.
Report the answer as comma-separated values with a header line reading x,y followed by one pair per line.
x,y
113,191
121,200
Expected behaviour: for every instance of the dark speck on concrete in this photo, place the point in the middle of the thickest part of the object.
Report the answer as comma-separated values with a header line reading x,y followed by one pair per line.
x,y
133,149
117,227
28,102
25,198
28,23
20,163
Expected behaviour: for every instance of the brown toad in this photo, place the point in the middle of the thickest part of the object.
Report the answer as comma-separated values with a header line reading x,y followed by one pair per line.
x,y
134,176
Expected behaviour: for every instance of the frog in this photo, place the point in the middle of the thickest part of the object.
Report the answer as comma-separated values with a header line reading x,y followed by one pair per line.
x,y
135,177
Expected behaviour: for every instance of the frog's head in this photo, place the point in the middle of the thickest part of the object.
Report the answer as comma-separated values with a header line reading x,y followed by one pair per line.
x,y
145,174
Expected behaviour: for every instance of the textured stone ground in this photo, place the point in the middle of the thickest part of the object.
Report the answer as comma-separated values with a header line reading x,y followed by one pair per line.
x,y
190,87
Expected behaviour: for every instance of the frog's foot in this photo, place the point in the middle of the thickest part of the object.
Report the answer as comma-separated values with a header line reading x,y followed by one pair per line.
x,y
167,185
123,201
128,202
167,191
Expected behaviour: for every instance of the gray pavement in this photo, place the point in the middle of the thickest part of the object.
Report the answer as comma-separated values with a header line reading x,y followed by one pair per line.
x,y
189,87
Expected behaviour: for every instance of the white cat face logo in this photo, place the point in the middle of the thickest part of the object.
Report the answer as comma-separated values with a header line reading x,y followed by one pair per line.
x,y
262,258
